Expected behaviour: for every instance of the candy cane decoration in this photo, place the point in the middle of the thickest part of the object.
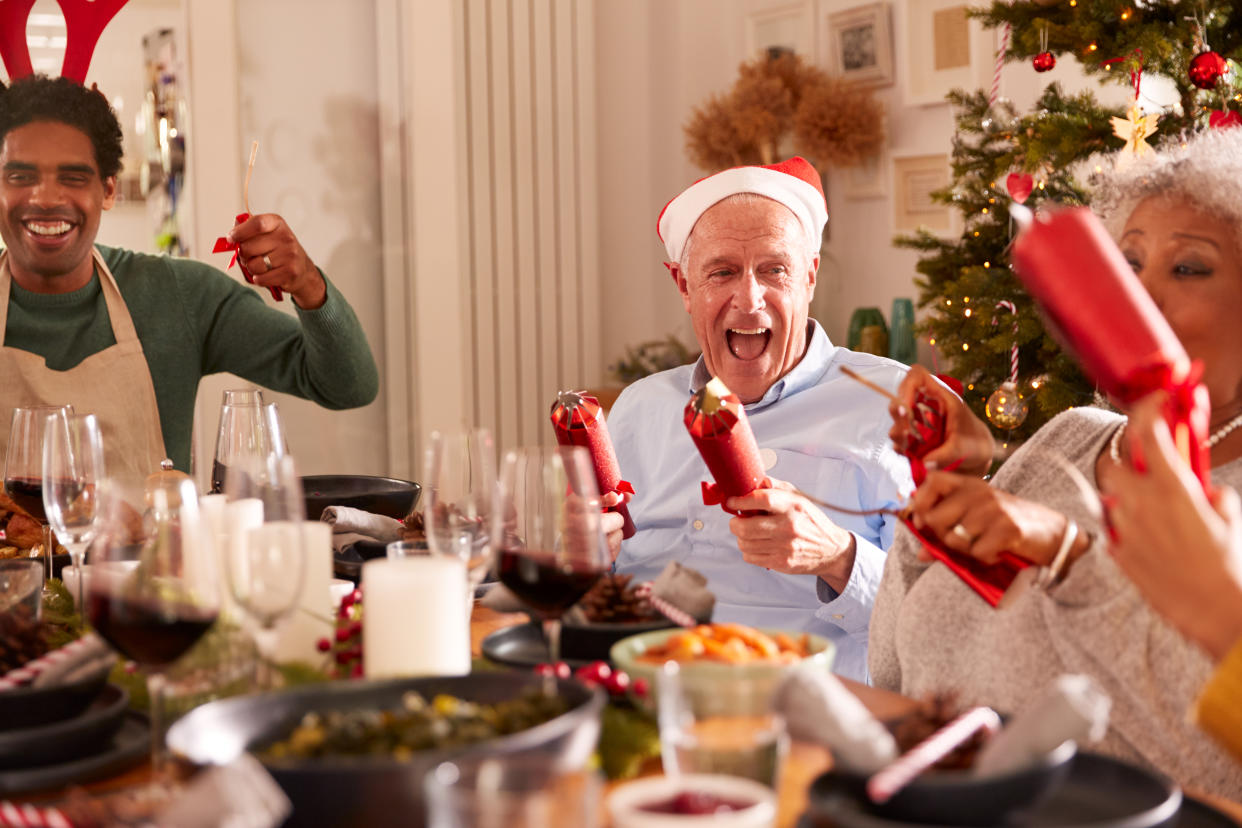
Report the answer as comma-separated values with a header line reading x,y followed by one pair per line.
x,y
1000,63
1005,304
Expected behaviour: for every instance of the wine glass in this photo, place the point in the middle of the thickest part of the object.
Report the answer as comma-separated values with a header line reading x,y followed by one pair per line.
x,y
551,550
249,428
73,466
154,587
23,464
264,564
460,475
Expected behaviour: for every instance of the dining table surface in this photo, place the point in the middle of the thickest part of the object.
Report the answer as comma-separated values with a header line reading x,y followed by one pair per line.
x,y
803,764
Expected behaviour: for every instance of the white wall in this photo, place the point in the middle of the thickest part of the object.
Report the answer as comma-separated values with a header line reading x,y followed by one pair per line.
x,y
657,61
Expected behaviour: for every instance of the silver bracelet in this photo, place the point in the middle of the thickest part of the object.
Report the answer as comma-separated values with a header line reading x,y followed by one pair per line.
x,y
1052,573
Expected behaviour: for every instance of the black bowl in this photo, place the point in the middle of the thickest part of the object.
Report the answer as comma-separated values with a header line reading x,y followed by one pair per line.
x,y
377,791
592,641
953,797
34,706
379,495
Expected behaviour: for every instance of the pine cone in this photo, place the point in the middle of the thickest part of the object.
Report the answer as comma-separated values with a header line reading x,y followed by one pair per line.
x,y
22,638
614,600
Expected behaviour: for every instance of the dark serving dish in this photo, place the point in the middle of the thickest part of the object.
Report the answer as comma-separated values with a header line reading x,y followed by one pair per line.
x,y
954,797
592,641
68,739
379,495
34,706
379,791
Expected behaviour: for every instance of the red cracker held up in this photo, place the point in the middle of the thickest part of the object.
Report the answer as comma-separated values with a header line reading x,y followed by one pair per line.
x,y
578,420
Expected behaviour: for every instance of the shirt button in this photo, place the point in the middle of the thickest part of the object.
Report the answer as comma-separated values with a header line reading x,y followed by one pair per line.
x,y
698,524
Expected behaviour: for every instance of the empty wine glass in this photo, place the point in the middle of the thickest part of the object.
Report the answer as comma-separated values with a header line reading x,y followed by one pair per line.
x,y
521,790
23,464
460,475
73,466
264,564
551,550
154,587
250,429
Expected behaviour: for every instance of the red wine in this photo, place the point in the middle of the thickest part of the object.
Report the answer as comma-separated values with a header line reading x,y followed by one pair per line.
x,y
544,584
145,632
28,494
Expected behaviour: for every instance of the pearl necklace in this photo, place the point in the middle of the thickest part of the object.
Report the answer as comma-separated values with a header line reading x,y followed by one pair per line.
x,y
1114,444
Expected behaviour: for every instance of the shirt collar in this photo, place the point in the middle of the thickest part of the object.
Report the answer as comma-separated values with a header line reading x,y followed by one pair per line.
x,y
806,373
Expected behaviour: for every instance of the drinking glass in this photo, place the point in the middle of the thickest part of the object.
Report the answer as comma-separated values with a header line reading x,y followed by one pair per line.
x,y
23,465
547,519
517,791
460,475
154,586
265,565
249,430
73,466
719,727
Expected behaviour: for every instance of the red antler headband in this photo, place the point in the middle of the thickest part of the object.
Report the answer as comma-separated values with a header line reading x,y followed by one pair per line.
x,y
85,21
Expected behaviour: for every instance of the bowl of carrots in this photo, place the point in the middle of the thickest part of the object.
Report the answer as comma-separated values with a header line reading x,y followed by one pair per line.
x,y
721,652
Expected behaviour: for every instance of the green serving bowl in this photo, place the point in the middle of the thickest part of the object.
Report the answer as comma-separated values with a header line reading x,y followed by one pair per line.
x,y
625,654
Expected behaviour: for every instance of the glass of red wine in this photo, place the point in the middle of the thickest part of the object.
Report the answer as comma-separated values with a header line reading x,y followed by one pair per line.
x,y
73,466
23,464
551,550
154,588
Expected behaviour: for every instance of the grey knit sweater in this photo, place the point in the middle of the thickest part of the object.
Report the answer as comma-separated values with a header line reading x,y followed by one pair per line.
x,y
930,633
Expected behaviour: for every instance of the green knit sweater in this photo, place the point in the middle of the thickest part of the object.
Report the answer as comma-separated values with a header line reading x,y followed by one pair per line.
x,y
193,321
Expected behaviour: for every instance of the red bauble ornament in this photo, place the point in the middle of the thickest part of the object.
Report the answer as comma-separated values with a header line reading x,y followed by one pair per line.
x,y
1206,69
1044,61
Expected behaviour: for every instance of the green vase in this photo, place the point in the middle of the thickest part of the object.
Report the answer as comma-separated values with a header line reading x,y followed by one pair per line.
x,y
901,344
865,318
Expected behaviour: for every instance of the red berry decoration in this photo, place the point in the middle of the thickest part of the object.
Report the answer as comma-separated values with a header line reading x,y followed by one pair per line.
x,y
1206,69
597,672
1044,61
617,683
640,687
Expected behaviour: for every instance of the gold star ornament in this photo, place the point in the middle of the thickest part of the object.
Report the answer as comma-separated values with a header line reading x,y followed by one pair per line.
x,y
1134,129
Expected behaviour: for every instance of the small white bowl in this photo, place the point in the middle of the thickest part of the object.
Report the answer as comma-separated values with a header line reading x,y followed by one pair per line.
x,y
624,803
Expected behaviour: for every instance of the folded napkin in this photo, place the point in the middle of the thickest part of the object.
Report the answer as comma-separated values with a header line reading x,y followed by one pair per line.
x,y
241,794
818,708
351,525
1074,707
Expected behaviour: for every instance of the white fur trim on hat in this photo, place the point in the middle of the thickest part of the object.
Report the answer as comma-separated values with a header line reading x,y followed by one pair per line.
x,y
680,215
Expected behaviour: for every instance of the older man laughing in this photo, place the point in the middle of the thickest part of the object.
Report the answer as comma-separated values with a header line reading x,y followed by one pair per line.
x,y
743,250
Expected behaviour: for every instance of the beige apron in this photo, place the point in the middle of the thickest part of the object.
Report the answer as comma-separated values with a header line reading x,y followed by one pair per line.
x,y
114,385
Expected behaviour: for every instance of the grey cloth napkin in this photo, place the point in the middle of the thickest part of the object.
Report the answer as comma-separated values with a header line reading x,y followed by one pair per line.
x,y
351,525
1074,707
818,708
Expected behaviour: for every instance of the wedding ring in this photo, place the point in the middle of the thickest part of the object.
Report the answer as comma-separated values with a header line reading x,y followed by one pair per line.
x,y
959,531
267,262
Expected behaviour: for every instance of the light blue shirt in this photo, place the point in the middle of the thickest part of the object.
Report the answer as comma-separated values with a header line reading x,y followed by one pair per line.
x,y
821,431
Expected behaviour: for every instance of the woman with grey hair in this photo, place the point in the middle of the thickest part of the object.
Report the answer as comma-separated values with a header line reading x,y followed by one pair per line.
x,y
1177,216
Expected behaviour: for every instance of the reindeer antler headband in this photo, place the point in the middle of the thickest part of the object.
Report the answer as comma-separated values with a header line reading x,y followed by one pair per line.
x,y
85,21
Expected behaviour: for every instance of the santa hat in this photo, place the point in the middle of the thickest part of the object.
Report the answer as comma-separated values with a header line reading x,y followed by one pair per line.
x,y
793,182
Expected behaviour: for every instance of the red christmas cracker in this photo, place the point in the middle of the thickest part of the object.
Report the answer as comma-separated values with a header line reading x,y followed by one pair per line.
x,y
223,245
718,426
578,420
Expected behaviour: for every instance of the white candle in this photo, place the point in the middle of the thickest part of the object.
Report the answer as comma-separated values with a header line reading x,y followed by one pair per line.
x,y
412,619
297,634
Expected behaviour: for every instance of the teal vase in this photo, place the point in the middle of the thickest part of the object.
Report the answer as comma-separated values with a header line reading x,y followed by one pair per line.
x,y
901,344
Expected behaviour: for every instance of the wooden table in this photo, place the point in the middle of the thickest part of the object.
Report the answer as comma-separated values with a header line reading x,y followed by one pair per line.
x,y
805,762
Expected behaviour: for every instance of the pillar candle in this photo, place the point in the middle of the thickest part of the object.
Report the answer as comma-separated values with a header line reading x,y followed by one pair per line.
x,y
298,633
413,624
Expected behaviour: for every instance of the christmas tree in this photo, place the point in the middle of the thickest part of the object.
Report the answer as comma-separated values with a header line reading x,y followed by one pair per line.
x,y
977,313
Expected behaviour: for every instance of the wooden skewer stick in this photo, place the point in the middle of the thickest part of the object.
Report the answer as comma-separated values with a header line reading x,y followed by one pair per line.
x,y
254,150
854,375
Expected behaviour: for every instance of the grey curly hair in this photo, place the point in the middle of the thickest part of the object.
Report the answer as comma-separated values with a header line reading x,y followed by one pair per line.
x,y
1205,170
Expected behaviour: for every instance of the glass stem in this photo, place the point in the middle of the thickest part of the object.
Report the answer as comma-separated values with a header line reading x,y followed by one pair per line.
x,y
47,548
155,692
552,634
78,555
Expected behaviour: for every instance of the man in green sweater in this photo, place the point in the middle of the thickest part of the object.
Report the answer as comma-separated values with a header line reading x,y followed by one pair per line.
x,y
126,335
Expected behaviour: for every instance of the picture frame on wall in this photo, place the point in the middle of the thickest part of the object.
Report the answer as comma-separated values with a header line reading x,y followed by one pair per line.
x,y
915,178
945,50
859,44
786,27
